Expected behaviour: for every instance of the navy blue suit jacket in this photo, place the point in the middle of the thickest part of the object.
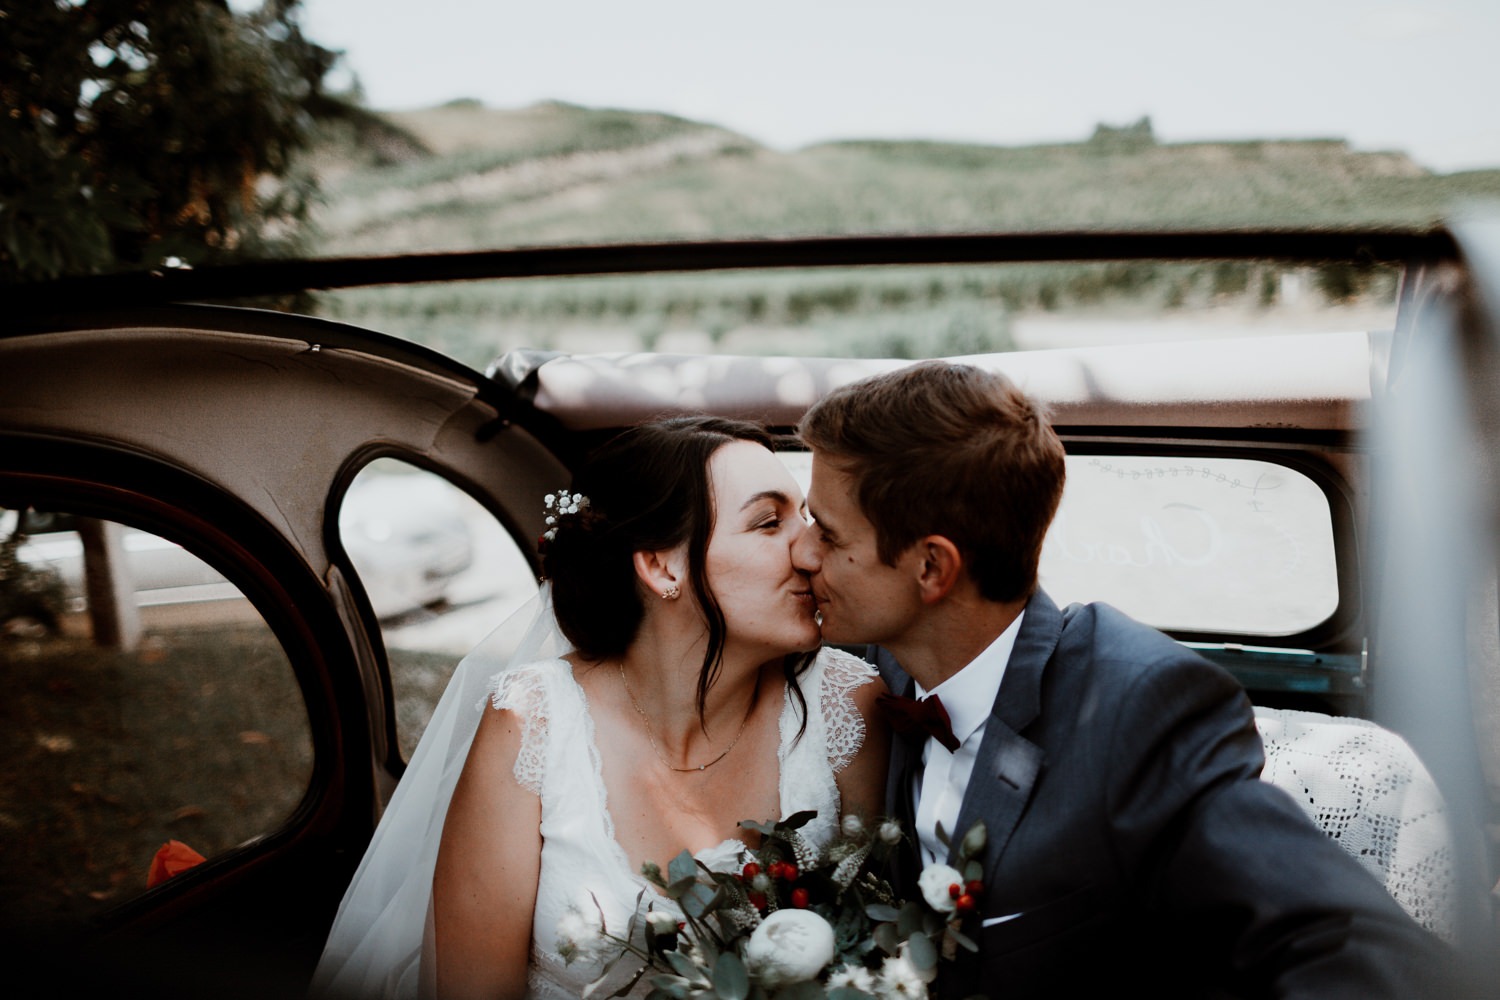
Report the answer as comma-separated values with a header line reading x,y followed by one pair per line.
x,y
1131,841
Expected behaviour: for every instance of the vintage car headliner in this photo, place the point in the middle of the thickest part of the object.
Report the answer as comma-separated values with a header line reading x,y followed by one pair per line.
x,y
1301,381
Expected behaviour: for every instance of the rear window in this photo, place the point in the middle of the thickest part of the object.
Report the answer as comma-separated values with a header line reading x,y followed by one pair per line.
x,y
1214,545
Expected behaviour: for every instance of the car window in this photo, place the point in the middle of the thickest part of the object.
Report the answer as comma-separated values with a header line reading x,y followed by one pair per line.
x,y
1204,544
440,572
149,718
1233,546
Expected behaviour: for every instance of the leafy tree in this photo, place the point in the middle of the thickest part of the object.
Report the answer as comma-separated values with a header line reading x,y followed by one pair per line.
x,y
133,131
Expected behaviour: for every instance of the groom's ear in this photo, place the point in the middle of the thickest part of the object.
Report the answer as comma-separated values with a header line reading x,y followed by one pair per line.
x,y
941,566
660,570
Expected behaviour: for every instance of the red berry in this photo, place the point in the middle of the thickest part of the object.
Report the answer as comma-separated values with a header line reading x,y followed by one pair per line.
x,y
799,898
955,890
974,888
758,900
964,903
751,870
789,872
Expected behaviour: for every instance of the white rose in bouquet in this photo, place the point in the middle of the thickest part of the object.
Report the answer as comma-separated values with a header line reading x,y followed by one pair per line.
x,y
790,946
936,882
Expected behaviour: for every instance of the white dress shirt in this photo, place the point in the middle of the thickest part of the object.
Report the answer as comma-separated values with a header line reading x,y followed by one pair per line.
x,y
968,697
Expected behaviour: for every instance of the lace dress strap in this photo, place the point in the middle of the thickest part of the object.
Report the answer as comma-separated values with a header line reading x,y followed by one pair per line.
x,y
530,692
843,674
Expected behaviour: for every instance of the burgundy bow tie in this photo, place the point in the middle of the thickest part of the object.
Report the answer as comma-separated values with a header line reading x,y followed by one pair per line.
x,y
925,716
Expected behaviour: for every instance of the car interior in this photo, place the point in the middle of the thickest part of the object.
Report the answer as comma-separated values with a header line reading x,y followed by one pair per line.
x,y
1315,512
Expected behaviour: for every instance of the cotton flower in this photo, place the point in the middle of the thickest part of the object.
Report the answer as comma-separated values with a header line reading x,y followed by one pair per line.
x,y
852,825
936,882
661,931
900,978
854,977
890,832
579,937
790,946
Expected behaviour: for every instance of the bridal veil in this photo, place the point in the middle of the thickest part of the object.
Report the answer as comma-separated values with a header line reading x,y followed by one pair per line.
x,y
383,924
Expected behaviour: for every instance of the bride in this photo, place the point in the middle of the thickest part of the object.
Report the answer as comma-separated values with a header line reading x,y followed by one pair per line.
x,y
680,698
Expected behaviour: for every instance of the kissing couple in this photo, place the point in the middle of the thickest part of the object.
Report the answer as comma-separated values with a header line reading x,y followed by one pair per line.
x,y
673,680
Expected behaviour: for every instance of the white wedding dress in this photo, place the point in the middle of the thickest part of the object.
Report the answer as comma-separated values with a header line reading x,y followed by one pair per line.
x,y
383,927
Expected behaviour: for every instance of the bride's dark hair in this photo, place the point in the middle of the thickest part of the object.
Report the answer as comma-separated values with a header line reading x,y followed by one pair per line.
x,y
648,489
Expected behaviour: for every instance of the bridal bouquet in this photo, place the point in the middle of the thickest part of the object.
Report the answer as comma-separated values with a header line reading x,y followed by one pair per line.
x,y
794,921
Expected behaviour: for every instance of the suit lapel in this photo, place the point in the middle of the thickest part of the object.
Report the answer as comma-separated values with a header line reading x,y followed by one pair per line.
x,y
1007,766
906,754
897,798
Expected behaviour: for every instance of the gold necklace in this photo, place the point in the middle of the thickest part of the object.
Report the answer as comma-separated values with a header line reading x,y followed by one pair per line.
x,y
650,736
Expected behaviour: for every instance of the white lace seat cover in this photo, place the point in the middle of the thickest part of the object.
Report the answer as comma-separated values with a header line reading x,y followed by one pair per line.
x,y
1367,789
581,860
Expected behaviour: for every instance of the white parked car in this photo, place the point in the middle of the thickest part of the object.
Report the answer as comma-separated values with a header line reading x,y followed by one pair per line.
x,y
405,533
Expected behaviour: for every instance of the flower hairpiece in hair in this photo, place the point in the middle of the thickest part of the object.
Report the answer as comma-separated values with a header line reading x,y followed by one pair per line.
x,y
560,503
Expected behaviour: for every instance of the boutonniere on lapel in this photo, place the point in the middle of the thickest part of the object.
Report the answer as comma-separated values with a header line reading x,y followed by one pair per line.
x,y
929,929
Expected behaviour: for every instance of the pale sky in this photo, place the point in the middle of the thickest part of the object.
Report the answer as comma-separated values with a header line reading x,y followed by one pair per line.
x,y
1423,77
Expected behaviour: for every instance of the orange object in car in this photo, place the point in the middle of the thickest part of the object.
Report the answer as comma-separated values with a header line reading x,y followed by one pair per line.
x,y
173,857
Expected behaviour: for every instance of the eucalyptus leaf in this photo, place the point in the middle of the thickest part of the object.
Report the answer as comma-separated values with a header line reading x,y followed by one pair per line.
x,y
920,950
887,938
882,912
963,940
847,993
911,919
672,986
764,829
973,871
685,968
698,900
684,866
731,979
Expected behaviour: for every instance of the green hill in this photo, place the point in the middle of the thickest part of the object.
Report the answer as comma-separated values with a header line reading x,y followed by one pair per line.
x,y
558,173
463,176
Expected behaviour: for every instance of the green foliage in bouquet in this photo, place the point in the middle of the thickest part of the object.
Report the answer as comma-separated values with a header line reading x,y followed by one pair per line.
x,y
794,921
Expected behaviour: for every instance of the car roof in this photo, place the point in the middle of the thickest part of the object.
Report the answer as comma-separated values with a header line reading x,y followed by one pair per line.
x,y
1298,382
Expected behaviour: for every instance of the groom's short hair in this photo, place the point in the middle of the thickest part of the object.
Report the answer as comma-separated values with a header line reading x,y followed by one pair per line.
x,y
953,450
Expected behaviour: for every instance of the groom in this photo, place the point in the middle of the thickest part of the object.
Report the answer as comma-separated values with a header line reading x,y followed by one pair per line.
x,y
1131,842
